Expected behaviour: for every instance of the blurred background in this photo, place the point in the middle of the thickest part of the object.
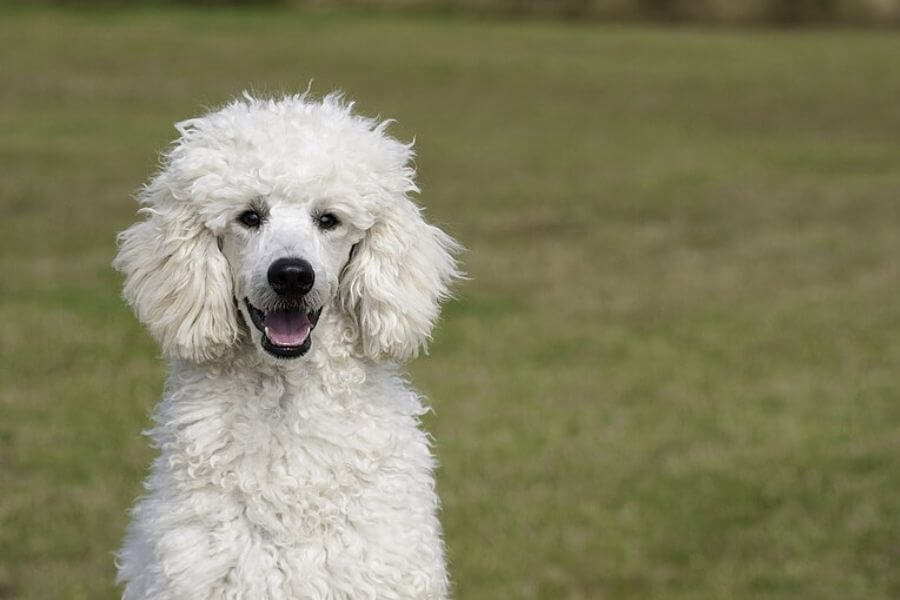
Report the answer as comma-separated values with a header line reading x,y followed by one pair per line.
x,y
674,370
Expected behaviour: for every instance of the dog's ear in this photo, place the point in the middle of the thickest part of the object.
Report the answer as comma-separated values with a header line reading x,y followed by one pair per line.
x,y
395,280
177,280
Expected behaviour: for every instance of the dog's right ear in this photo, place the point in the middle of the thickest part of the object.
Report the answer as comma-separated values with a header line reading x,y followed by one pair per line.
x,y
177,280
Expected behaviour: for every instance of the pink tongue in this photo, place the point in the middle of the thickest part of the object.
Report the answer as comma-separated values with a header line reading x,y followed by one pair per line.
x,y
287,328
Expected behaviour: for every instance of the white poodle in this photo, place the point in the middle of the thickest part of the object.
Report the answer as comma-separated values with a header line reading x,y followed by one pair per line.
x,y
286,274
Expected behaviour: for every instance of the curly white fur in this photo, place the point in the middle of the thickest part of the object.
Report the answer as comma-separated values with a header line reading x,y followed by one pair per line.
x,y
309,477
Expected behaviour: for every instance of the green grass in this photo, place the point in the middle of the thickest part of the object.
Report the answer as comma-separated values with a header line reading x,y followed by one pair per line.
x,y
673,373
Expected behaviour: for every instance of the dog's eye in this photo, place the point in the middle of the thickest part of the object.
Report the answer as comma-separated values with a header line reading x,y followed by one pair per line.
x,y
327,221
250,218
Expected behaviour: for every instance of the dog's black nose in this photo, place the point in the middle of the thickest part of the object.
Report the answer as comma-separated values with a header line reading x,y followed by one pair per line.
x,y
291,276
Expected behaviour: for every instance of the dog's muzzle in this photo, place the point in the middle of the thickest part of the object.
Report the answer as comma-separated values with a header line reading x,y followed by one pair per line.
x,y
286,331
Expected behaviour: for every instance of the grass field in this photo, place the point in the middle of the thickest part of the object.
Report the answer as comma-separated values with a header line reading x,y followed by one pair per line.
x,y
674,372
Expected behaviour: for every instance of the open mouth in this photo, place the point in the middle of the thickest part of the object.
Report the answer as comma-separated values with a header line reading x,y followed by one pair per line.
x,y
285,331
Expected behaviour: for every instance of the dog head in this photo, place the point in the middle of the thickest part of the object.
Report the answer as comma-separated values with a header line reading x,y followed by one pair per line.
x,y
267,212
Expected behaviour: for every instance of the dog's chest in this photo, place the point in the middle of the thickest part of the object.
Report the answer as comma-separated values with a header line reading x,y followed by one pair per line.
x,y
284,495
302,466
325,470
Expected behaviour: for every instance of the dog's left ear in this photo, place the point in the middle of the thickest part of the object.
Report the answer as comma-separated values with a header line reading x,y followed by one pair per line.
x,y
395,280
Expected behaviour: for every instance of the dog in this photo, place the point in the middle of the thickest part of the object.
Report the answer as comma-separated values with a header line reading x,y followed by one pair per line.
x,y
287,276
